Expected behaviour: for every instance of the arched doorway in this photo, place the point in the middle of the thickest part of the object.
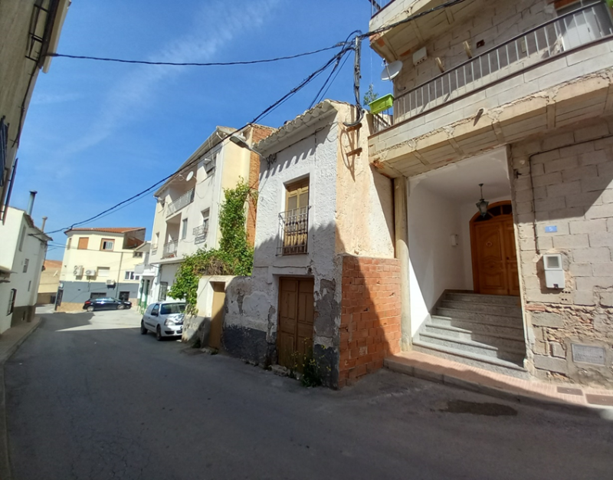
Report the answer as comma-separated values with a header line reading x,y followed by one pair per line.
x,y
494,257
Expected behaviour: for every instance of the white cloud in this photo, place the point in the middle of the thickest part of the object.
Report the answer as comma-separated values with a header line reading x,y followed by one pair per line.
x,y
50,98
214,26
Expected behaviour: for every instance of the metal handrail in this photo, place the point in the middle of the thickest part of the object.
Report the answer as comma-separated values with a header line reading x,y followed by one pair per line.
x,y
200,232
521,47
170,249
181,202
293,231
377,5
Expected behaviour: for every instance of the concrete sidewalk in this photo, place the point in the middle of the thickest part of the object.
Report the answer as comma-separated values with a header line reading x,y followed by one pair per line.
x,y
9,343
445,371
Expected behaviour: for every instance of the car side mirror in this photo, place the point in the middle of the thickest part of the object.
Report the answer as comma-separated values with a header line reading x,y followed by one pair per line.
x,y
154,314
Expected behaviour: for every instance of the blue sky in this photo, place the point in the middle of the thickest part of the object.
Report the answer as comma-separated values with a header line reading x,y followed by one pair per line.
x,y
98,132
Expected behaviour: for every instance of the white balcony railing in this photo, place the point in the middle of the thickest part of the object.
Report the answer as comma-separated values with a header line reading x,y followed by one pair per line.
x,y
170,249
200,233
566,32
181,202
377,5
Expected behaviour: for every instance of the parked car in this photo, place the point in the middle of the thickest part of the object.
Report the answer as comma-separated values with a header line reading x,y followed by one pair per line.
x,y
106,303
165,319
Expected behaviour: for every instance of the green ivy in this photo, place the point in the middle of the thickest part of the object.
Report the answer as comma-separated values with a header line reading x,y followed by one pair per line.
x,y
234,255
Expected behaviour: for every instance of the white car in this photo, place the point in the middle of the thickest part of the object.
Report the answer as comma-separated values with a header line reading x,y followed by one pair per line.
x,y
165,319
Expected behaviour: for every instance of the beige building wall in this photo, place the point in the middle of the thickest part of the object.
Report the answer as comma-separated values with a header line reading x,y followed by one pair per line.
x,y
49,281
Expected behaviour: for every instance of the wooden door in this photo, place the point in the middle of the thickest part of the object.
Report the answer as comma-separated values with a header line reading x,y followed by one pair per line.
x,y
219,298
495,269
296,315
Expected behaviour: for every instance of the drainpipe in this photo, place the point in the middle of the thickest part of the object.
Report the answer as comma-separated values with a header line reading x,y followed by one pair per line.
x,y
31,203
401,232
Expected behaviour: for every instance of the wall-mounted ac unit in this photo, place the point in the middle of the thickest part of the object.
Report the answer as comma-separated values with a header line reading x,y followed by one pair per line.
x,y
110,282
90,273
78,270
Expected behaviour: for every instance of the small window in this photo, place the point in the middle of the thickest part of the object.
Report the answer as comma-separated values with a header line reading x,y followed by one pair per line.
x,y
104,271
163,291
295,219
107,244
138,254
95,295
83,243
22,237
184,229
124,296
11,305
26,262
130,275
68,244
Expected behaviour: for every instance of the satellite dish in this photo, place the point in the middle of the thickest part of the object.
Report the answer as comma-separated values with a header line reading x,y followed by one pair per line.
x,y
190,175
391,70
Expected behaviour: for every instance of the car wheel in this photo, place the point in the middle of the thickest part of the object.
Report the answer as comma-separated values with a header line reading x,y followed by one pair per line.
x,y
158,334
143,330
120,307
90,309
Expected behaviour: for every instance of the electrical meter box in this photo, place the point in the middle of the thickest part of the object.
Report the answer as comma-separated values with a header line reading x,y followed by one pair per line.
x,y
554,273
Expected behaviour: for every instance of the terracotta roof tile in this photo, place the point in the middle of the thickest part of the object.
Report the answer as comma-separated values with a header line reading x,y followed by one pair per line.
x,y
105,229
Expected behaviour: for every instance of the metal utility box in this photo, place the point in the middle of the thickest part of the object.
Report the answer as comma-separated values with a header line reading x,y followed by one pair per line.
x,y
554,273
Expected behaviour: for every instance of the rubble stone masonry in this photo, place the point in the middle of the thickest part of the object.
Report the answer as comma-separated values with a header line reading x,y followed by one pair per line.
x,y
563,203
370,315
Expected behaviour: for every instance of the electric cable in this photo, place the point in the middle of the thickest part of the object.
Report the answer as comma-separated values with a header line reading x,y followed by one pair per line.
x,y
193,64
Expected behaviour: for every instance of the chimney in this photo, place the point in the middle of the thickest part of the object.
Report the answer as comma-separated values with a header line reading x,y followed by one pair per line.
x,y
31,204
43,225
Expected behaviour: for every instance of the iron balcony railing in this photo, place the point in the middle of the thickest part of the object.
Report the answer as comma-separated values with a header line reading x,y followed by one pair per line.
x,y
154,249
377,5
566,32
293,231
170,249
181,202
200,233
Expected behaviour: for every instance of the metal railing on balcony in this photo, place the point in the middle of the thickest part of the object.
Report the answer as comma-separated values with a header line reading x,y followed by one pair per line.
x,y
154,250
293,231
170,249
377,5
181,202
200,233
566,32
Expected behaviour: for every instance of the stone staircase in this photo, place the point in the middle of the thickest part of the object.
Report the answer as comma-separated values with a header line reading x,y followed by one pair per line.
x,y
484,331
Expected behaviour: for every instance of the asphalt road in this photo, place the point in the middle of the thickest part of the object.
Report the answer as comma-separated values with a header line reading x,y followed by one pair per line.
x,y
90,398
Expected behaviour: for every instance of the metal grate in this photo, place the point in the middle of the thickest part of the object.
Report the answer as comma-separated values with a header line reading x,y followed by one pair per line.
x,y
294,231
170,249
200,233
181,202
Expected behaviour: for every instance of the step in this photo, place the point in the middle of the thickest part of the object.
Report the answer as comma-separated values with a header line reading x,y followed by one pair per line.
x,y
482,308
476,317
472,347
479,298
497,365
516,332
501,342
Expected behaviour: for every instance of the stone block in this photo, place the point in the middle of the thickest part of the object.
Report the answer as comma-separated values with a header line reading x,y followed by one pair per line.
x,y
584,298
564,189
591,255
547,319
556,350
597,184
549,156
584,199
603,270
561,164
580,269
594,158
550,364
556,141
570,213
606,299
548,179
607,196
548,204
571,241
544,243
601,239
589,283
579,173
591,132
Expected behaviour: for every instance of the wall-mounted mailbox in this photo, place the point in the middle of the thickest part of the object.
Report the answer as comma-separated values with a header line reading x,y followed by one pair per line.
x,y
554,273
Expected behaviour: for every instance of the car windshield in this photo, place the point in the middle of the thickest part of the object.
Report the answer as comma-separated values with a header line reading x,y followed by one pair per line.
x,y
172,308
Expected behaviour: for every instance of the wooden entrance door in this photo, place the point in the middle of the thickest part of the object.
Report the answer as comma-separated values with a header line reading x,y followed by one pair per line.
x,y
296,315
493,249
219,298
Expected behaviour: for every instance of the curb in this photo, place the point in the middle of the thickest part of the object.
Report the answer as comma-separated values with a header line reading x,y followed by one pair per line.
x,y
5,460
448,379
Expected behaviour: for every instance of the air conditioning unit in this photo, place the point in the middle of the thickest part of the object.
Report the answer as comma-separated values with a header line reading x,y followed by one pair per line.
x,y
90,273
78,270
110,282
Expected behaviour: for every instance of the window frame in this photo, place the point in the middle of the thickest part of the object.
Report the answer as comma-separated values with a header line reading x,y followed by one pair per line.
x,y
11,305
109,240
83,241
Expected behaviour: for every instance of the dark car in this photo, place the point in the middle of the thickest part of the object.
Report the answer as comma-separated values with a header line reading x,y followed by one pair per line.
x,y
105,303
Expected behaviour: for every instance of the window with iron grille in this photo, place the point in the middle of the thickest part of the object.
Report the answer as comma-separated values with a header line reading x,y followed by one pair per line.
x,y
294,222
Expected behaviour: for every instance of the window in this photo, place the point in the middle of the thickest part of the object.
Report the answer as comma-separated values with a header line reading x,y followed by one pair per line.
x,y
169,308
26,262
104,271
138,255
163,291
156,309
22,237
83,243
68,244
130,275
584,26
95,295
124,296
295,220
29,285
201,231
107,244
11,305
210,162
184,229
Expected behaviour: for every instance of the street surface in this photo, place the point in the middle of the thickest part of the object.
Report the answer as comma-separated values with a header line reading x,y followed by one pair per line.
x,y
88,397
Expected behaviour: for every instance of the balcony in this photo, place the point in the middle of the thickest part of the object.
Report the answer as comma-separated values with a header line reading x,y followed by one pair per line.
x,y
170,249
560,35
200,233
181,202
378,5
293,231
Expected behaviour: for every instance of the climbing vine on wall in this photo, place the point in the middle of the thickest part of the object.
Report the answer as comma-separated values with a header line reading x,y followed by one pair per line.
x,y
234,255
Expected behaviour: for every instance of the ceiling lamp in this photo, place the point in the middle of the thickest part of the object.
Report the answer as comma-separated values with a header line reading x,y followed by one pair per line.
x,y
482,204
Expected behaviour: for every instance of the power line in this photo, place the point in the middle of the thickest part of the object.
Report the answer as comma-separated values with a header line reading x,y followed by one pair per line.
x,y
194,64
265,112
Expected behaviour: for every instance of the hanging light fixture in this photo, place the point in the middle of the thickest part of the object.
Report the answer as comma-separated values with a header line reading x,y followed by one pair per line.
x,y
482,204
